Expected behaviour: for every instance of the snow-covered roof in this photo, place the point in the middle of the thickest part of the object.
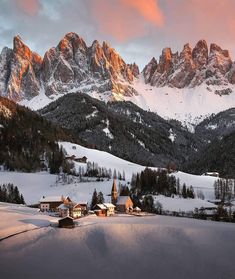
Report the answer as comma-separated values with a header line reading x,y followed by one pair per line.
x,y
137,208
122,200
51,199
109,205
63,206
101,206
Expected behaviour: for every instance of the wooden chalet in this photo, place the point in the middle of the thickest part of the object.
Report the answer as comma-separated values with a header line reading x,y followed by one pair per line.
x,y
66,222
84,207
51,203
70,209
124,204
110,207
101,210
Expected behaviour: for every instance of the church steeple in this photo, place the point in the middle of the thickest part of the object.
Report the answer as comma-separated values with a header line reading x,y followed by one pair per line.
x,y
114,193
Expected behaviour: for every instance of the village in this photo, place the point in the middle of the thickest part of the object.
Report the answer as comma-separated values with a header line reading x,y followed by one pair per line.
x,y
69,210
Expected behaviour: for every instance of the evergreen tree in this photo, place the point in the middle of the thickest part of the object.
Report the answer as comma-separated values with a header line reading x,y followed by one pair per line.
x,y
184,191
94,199
100,197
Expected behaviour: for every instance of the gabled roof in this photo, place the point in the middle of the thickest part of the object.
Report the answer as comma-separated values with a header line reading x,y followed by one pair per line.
x,y
63,206
122,200
101,206
51,199
109,205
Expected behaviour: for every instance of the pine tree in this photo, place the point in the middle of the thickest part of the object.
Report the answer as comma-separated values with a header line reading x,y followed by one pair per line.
x,y
184,191
94,199
100,197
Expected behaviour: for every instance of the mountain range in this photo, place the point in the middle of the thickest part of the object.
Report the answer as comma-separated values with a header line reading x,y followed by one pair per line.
x,y
195,86
187,86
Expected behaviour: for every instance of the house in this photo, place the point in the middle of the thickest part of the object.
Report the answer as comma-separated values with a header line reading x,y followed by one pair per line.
x,y
63,210
76,211
214,174
101,210
81,160
84,207
51,203
124,204
70,209
66,222
110,208
73,157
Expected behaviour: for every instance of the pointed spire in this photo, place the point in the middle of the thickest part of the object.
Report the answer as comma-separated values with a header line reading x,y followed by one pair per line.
x,y
114,193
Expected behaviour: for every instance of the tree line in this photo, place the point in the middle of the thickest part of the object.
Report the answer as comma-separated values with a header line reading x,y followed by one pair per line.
x,y
10,193
159,182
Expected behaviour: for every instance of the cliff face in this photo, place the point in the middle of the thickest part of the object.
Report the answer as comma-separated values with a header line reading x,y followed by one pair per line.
x,y
191,67
72,65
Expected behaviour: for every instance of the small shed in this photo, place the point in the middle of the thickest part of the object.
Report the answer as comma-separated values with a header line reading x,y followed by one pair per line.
x,y
101,210
124,204
66,222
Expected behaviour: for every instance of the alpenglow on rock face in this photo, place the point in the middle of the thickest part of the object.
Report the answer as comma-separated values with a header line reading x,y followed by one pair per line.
x,y
70,66
191,67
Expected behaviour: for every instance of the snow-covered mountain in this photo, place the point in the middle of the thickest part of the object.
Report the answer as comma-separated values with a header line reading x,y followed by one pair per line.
x,y
70,65
186,86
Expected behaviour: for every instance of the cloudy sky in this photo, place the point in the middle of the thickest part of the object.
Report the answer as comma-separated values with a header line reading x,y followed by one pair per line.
x,y
138,29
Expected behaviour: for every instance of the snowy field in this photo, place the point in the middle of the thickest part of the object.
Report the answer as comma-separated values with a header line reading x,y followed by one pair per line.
x,y
15,219
119,247
35,185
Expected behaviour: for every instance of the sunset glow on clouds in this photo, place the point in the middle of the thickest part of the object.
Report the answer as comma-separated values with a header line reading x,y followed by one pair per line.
x,y
126,19
30,7
139,29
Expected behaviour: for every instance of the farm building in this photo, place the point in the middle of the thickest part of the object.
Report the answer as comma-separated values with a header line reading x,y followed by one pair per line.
x,y
66,222
51,203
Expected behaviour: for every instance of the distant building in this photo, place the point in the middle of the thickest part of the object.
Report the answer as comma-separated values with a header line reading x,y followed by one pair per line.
x,y
114,193
101,210
81,160
110,207
124,204
71,209
51,203
214,174
66,222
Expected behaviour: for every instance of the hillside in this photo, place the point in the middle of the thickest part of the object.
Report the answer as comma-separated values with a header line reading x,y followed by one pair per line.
x,y
122,129
27,141
218,156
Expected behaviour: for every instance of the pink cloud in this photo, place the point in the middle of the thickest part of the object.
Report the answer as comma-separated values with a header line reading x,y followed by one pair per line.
x,y
196,19
126,19
29,7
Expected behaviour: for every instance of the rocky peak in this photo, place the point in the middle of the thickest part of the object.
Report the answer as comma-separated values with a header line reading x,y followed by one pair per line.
x,y
149,70
219,59
165,62
200,54
191,67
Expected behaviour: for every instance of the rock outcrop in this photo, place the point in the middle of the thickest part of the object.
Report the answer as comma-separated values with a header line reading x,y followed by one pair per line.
x,y
71,66
191,67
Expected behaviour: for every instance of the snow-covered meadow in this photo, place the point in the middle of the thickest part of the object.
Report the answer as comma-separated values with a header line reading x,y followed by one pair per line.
x,y
121,247
35,185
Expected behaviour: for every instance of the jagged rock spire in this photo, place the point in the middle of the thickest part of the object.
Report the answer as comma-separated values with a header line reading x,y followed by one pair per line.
x,y
114,193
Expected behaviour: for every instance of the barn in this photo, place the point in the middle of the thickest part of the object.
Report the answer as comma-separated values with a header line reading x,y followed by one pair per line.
x,y
66,222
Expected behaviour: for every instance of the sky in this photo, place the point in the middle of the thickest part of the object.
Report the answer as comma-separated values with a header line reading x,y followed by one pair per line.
x,y
137,29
